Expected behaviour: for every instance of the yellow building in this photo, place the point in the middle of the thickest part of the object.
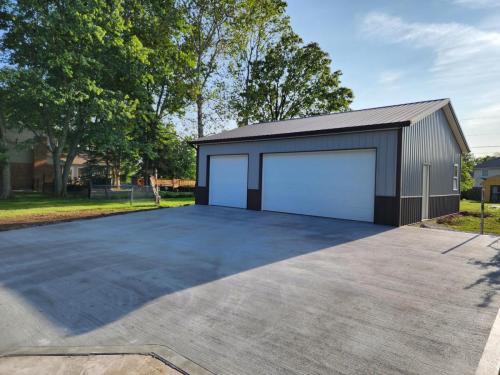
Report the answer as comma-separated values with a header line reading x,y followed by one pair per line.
x,y
492,189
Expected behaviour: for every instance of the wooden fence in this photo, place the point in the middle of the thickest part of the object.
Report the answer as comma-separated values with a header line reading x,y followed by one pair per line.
x,y
173,183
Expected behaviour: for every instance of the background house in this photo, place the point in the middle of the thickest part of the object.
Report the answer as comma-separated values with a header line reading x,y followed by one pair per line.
x,y
31,163
486,169
487,174
492,189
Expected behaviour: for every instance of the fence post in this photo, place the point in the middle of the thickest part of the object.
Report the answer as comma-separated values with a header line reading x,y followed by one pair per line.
x,y
481,230
132,195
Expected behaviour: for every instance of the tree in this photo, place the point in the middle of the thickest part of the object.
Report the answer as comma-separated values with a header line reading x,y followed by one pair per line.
x,y
466,179
63,52
257,29
177,159
162,28
5,78
209,40
7,114
293,80
6,188
482,159
115,146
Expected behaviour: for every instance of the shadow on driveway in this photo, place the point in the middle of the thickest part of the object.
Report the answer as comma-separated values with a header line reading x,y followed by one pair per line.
x,y
491,278
84,275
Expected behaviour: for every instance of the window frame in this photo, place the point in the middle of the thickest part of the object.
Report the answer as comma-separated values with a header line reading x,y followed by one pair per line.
x,y
456,176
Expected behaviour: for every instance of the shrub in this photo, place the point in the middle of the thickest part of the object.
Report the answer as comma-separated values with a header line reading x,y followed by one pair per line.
x,y
176,194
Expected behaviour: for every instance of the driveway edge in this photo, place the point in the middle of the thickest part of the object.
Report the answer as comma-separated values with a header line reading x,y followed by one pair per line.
x,y
489,363
163,353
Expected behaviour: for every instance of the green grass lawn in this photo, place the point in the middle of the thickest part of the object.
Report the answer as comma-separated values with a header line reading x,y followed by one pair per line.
x,y
468,219
33,208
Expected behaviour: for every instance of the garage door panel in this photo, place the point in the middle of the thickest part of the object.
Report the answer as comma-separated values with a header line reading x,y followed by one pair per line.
x,y
337,184
228,180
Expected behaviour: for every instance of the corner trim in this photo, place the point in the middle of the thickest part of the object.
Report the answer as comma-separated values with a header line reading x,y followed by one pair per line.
x,y
399,175
197,165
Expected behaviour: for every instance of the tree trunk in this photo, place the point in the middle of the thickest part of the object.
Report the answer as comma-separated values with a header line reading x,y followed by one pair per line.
x,y
199,108
6,188
115,175
65,173
56,163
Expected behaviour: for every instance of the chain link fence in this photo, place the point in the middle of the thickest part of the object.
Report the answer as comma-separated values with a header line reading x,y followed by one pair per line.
x,y
124,192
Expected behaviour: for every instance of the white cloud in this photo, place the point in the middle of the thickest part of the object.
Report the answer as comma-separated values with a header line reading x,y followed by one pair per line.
x,y
458,48
482,128
478,3
483,121
465,64
491,22
462,54
390,77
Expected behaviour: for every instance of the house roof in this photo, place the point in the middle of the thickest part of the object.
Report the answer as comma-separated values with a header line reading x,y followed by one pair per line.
x,y
492,163
356,120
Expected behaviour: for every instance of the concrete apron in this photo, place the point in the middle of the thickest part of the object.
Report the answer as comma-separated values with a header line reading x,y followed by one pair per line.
x,y
489,363
166,355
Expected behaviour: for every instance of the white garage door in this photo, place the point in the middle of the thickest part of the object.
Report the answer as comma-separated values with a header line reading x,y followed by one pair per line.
x,y
339,184
228,181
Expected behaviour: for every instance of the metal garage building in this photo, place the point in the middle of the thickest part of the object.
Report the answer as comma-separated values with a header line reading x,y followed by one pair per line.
x,y
391,165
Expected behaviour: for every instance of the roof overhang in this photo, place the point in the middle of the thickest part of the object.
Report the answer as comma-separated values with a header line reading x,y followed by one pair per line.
x,y
312,133
451,117
456,128
441,104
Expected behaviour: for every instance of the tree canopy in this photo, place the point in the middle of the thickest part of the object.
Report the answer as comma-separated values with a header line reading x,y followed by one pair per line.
x,y
109,78
293,79
258,28
466,180
63,53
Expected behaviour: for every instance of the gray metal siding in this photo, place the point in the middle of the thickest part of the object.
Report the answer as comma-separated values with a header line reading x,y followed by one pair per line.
x,y
429,141
384,141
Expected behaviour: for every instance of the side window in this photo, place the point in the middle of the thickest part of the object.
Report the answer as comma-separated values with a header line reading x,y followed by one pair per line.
x,y
456,176
484,173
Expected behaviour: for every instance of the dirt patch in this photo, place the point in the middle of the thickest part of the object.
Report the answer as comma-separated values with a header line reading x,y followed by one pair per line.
x,y
114,364
474,214
450,219
58,217
447,219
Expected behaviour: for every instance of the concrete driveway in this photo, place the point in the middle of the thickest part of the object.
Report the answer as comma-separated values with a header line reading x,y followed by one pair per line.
x,y
242,292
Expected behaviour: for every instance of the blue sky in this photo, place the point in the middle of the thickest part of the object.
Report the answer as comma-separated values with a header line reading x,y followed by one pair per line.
x,y
396,51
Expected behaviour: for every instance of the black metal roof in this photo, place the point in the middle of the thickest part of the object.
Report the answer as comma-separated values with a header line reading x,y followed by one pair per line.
x,y
356,120
492,163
